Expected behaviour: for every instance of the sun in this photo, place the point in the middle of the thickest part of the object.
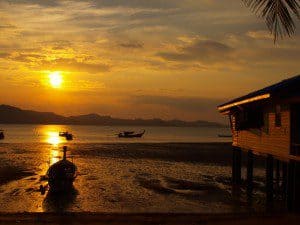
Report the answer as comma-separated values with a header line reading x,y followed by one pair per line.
x,y
55,79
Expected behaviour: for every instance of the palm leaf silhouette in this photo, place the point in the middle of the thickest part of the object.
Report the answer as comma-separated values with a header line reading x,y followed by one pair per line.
x,y
278,15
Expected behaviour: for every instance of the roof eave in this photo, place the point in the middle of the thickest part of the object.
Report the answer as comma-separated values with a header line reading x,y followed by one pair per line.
x,y
226,107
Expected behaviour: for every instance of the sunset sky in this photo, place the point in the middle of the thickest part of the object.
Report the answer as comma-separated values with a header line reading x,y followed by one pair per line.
x,y
137,58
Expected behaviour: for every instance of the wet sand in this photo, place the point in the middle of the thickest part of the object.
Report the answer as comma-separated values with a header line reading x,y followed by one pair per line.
x,y
126,178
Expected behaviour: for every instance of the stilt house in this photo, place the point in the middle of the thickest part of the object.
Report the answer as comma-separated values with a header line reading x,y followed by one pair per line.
x,y
267,122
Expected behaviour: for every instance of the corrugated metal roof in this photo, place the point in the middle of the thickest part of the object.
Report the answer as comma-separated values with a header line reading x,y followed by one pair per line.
x,y
274,89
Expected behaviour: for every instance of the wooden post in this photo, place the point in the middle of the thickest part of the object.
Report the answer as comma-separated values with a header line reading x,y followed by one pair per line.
x,y
293,195
250,175
236,165
291,185
236,173
297,187
284,179
269,180
233,166
277,177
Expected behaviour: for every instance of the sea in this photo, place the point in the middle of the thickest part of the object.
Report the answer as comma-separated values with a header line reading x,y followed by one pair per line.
x,y
169,169
20,133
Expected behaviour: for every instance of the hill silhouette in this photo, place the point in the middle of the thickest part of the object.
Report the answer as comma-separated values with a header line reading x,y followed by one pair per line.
x,y
13,115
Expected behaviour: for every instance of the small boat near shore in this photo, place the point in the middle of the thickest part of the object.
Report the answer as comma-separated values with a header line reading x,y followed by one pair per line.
x,y
2,134
60,175
131,134
67,135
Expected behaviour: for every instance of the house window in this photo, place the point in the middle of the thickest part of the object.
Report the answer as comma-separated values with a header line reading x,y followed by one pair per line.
x,y
250,118
277,116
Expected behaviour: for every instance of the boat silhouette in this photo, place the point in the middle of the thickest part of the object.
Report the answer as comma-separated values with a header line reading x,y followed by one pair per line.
x,y
67,135
131,134
60,175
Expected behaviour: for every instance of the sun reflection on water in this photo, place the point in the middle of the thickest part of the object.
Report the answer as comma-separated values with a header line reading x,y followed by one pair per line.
x,y
55,156
53,138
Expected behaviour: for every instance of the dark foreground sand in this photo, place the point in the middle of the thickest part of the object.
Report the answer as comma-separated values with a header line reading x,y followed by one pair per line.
x,y
127,178
148,218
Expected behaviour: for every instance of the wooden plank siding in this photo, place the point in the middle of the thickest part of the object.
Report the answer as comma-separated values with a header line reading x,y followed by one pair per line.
x,y
268,139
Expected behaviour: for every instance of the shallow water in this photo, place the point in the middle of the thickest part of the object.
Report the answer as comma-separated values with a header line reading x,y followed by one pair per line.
x,y
123,177
24,133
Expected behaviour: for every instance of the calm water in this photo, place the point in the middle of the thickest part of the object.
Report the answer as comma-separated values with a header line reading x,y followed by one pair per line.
x,y
107,134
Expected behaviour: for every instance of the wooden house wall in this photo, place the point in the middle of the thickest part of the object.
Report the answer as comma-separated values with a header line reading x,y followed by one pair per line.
x,y
269,139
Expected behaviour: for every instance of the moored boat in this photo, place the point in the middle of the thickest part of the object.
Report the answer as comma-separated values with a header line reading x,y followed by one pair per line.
x,y
61,175
67,135
131,134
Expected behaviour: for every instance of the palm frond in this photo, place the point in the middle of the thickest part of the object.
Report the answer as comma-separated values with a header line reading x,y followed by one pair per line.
x,y
278,15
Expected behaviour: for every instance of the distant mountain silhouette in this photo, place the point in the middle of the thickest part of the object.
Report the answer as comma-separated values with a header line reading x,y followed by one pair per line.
x,y
14,115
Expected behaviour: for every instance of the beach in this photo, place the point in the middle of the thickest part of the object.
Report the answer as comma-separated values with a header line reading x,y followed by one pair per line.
x,y
126,178
164,112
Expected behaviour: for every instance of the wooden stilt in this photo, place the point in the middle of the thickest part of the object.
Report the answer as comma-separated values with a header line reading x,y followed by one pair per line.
x,y
277,177
250,175
297,187
233,176
236,173
236,165
269,180
291,185
284,179
293,195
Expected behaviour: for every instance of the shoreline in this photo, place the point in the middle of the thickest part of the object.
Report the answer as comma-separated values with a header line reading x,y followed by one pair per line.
x,y
179,152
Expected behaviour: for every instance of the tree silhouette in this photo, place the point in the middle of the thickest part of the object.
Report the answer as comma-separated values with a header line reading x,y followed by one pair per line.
x,y
278,15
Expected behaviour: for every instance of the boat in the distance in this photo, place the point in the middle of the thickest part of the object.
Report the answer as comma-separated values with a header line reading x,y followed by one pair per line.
x,y
60,175
67,135
131,134
2,134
